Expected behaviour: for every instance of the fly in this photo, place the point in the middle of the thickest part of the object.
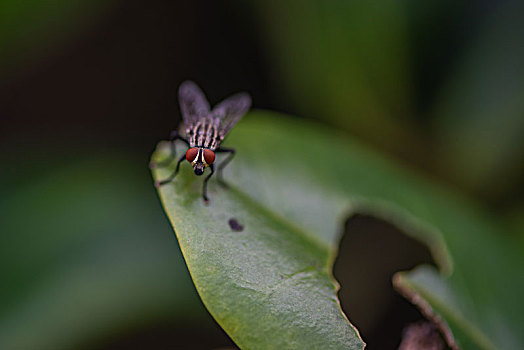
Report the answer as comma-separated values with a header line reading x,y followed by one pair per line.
x,y
203,130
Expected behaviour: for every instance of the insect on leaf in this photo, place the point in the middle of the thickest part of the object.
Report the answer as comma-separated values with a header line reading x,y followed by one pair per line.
x,y
265,276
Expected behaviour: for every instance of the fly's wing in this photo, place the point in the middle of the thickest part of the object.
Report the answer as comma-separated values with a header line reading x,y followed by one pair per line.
x,y
193,104
230,111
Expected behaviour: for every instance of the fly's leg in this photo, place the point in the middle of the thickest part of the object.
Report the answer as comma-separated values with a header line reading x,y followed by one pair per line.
x,y
222,165
172,139
172,176
204,188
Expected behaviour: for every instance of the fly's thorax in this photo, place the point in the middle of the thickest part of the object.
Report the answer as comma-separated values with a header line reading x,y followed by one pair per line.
x,y
204,133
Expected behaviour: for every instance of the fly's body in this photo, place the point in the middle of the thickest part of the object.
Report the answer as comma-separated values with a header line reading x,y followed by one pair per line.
x,y
203,140
204,129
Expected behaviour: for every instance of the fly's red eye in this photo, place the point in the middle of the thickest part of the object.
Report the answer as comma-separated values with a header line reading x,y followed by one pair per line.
x,y
209,156
191,154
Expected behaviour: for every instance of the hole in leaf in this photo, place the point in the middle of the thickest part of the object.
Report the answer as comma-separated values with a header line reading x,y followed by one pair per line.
x,y
371,251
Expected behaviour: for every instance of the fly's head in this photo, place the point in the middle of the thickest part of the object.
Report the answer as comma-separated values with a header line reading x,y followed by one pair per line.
x,y
200,158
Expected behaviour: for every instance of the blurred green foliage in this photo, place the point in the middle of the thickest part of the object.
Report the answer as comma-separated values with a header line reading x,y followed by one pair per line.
x,y
33,30
86,252
362,67
479,112
343,61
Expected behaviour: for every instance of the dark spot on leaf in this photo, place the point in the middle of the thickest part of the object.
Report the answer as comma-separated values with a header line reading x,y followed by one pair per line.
x,y
235,225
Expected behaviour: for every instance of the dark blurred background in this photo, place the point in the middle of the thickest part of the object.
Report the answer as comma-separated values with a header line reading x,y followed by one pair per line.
x,y
87,88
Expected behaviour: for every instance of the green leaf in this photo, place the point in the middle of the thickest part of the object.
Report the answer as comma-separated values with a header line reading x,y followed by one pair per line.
x,y
292,186
269,286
